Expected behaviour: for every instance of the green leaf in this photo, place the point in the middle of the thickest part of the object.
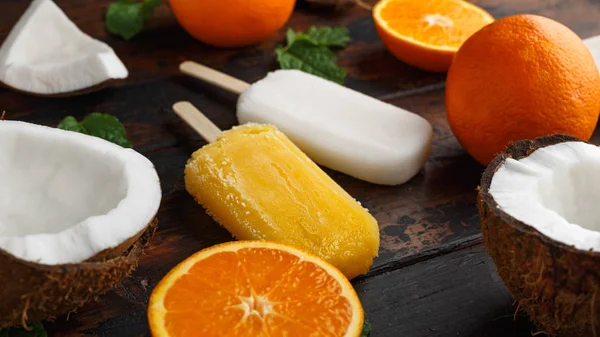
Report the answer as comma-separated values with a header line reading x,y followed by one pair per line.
x,y
71,124
367,328
291,37
313,59
310,52
106,127
103,126
35,330
126,18
329,36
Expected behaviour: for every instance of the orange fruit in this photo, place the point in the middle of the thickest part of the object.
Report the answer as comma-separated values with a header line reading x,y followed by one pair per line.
x,y
254,289
427,33
521,77
232,23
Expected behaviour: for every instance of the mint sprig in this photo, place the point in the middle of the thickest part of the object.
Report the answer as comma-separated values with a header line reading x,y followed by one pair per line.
x,y
100,125
310,58
126,17
310,52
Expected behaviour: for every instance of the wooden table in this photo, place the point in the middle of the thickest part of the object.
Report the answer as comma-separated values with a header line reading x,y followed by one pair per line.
x,y
432,277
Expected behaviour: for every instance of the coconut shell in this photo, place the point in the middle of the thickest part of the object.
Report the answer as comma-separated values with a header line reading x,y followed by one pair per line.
x,y
35,292
115,252
556,284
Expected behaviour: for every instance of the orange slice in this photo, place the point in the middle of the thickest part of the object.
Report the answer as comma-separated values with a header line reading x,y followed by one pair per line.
x,y
254,289
427,33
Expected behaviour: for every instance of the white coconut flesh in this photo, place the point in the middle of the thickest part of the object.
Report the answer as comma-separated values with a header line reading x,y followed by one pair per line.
x,y
66,196
593,44
46,53
556,190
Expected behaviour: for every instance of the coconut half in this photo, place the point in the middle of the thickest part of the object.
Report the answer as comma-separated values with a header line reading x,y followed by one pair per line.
x,y
46,54
540,218
72,211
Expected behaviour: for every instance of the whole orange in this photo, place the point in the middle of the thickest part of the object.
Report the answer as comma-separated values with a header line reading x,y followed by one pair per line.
x,y
232,23
521,77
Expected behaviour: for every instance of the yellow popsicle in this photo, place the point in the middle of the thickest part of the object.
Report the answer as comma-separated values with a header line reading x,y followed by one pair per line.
x,y
257,184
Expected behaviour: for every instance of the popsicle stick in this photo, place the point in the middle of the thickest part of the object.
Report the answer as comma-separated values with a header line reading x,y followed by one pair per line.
x,y
214,77
197,121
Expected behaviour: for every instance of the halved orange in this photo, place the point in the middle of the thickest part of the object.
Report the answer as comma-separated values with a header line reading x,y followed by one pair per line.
x,y
254,289
427,33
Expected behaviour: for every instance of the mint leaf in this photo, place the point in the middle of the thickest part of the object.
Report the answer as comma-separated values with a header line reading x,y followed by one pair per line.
x,y
310,58
291,37
71,124
106,127
126,17
329,36
36,330
367,328
309,52
103,126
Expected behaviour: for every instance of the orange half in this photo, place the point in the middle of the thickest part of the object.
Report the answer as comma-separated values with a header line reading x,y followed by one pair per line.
x,y
427,33
254,289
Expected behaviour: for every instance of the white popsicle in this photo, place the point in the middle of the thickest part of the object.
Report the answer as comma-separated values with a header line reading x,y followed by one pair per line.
x,y
336,127
340,128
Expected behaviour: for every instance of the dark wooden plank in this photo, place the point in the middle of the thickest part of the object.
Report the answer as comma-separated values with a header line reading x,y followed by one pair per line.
x,y
459,294
144,108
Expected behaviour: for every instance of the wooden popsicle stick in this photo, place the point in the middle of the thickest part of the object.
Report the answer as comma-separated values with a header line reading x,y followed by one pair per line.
x,y
214,77
196,119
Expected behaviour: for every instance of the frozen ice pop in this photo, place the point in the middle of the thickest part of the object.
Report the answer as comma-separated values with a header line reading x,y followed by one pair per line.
x,y
258,185
335,126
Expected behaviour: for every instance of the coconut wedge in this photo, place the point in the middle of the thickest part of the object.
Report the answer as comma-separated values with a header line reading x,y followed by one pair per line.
x,y
75,214
46,54
540,218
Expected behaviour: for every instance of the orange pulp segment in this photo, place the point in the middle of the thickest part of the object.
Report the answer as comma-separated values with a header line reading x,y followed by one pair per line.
x,y
254,289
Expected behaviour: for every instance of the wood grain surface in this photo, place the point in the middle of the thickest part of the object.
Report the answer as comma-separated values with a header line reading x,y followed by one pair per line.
x,y
432,277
